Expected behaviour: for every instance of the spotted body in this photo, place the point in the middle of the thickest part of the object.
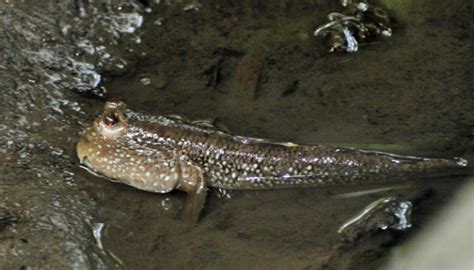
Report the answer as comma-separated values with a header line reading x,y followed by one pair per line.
x,y
160,154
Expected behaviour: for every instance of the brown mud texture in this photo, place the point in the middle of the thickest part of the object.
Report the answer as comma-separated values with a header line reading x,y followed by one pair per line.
x,y
255,68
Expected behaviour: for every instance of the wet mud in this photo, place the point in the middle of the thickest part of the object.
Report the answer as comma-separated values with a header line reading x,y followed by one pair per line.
x,y
255,68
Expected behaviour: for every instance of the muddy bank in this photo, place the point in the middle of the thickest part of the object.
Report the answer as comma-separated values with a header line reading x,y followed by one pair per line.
x,y
51,54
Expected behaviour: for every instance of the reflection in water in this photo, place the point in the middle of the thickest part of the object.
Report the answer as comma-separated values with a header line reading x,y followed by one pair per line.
x,y
385,213
97,233
359,23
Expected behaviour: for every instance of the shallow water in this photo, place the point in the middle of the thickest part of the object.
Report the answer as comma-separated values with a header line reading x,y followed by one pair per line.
x,y
254,67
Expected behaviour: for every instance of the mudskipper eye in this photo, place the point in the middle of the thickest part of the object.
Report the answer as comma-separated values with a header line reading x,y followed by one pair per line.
x,y
110,120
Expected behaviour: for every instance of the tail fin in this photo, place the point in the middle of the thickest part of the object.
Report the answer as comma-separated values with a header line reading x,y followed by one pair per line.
x,y
433,166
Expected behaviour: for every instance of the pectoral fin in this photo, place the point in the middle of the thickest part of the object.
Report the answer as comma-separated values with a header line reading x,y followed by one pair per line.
x,y
192,182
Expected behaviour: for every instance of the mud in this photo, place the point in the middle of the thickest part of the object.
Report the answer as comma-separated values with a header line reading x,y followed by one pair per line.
x,y
254,66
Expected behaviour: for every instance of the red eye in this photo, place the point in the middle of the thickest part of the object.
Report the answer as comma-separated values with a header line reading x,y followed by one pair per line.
x,y
110,120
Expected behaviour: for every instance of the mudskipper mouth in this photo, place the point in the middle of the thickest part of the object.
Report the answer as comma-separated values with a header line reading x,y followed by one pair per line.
x,y
86,165
83,160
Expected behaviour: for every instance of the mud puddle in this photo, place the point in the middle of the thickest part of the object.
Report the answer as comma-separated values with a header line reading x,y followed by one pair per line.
x,y
262,76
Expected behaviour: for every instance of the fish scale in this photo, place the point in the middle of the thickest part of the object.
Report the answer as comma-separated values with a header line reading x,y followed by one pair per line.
x,y
160,154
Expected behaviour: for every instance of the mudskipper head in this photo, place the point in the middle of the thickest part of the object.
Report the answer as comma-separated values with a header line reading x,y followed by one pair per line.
x,y
105,133
113,148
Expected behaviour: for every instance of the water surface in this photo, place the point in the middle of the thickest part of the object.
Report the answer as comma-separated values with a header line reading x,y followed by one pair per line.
x,y
256,68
